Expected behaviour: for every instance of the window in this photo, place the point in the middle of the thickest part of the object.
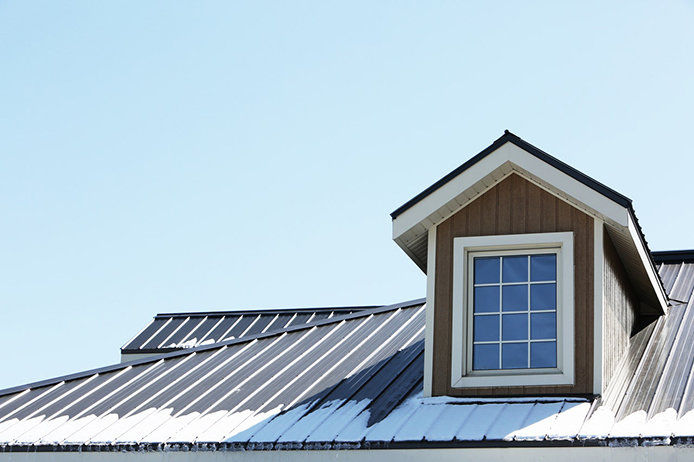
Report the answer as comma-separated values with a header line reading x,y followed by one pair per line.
x,y
513,310
514,315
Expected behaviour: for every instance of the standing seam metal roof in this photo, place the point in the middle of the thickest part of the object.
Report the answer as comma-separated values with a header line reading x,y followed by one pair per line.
x,y
652,392
174,331
354,381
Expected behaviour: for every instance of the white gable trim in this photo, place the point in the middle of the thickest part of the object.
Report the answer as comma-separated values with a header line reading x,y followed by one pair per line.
x,y
480,176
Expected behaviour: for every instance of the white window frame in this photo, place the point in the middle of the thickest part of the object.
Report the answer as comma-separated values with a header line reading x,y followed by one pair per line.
x,y
462,375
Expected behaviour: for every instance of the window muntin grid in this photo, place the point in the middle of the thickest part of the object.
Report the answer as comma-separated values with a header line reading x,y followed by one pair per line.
x,y
514,314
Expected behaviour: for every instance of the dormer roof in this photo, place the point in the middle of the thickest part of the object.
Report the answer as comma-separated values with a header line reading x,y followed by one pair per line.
x,y
510,154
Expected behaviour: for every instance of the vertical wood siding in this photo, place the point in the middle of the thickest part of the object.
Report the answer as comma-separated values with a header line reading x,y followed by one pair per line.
x,y
619,311
515,206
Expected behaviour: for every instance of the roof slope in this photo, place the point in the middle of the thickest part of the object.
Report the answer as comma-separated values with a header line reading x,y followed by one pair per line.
x,y
352,381
652,393
174,331
213,393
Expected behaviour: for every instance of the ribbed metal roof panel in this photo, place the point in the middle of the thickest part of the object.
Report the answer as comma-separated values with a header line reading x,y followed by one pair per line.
x,y
354,379
652,393
348,381
174,331
684,284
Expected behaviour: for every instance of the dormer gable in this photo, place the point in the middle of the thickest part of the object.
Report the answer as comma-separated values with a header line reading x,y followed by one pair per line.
x,y
536,275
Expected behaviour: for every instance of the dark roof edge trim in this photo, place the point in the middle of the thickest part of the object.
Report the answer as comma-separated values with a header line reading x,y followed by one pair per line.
x,y
268,311
540,154
213,346
344,446
673,256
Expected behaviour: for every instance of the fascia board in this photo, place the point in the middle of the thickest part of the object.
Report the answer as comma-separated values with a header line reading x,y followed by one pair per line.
x,y
509,153
646,262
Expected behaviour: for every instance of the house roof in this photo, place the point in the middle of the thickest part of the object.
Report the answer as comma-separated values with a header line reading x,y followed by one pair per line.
x,y
174,331
351,381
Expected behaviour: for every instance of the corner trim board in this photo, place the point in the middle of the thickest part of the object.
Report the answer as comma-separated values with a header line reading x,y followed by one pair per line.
x,y
598,301
429,329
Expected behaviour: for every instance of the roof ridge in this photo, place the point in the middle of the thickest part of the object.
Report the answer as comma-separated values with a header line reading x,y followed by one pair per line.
x,y
266,311
159,357
673,256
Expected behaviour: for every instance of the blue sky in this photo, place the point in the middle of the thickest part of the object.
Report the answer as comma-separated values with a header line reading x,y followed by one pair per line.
x,y
164,156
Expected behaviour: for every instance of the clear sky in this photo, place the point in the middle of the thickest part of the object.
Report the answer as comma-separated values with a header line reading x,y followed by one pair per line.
x,y
164,156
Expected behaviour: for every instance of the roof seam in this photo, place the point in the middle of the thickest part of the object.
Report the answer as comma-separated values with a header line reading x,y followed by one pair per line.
x,y
687,382
668,363
161,349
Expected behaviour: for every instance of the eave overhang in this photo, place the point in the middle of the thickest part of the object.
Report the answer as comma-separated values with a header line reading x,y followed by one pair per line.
x,y
510,154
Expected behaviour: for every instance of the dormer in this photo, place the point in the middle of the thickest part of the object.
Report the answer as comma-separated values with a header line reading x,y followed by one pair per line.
x,y
537,275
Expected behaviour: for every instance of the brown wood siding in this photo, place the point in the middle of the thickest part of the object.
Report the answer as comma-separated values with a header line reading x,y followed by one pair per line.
x,y
619,310
515,206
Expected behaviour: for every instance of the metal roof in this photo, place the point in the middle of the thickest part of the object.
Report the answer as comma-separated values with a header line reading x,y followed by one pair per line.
x,y
673,256
351,381
174,331
652,393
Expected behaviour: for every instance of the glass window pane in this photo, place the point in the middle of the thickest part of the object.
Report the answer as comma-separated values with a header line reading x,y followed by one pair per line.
x,y
514,327
543,354
543,326
485,357
515,269
543,297
486,270
486,328
543,267
487,299
514,356
515,298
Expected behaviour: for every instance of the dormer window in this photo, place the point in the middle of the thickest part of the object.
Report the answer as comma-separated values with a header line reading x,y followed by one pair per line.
x,y
513,310
514,315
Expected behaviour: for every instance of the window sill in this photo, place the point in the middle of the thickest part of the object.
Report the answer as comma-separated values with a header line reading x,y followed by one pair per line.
x,y
512,380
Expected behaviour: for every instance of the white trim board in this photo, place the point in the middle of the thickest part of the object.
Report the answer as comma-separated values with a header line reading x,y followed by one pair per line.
x,y
430,304
511,155
598,301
